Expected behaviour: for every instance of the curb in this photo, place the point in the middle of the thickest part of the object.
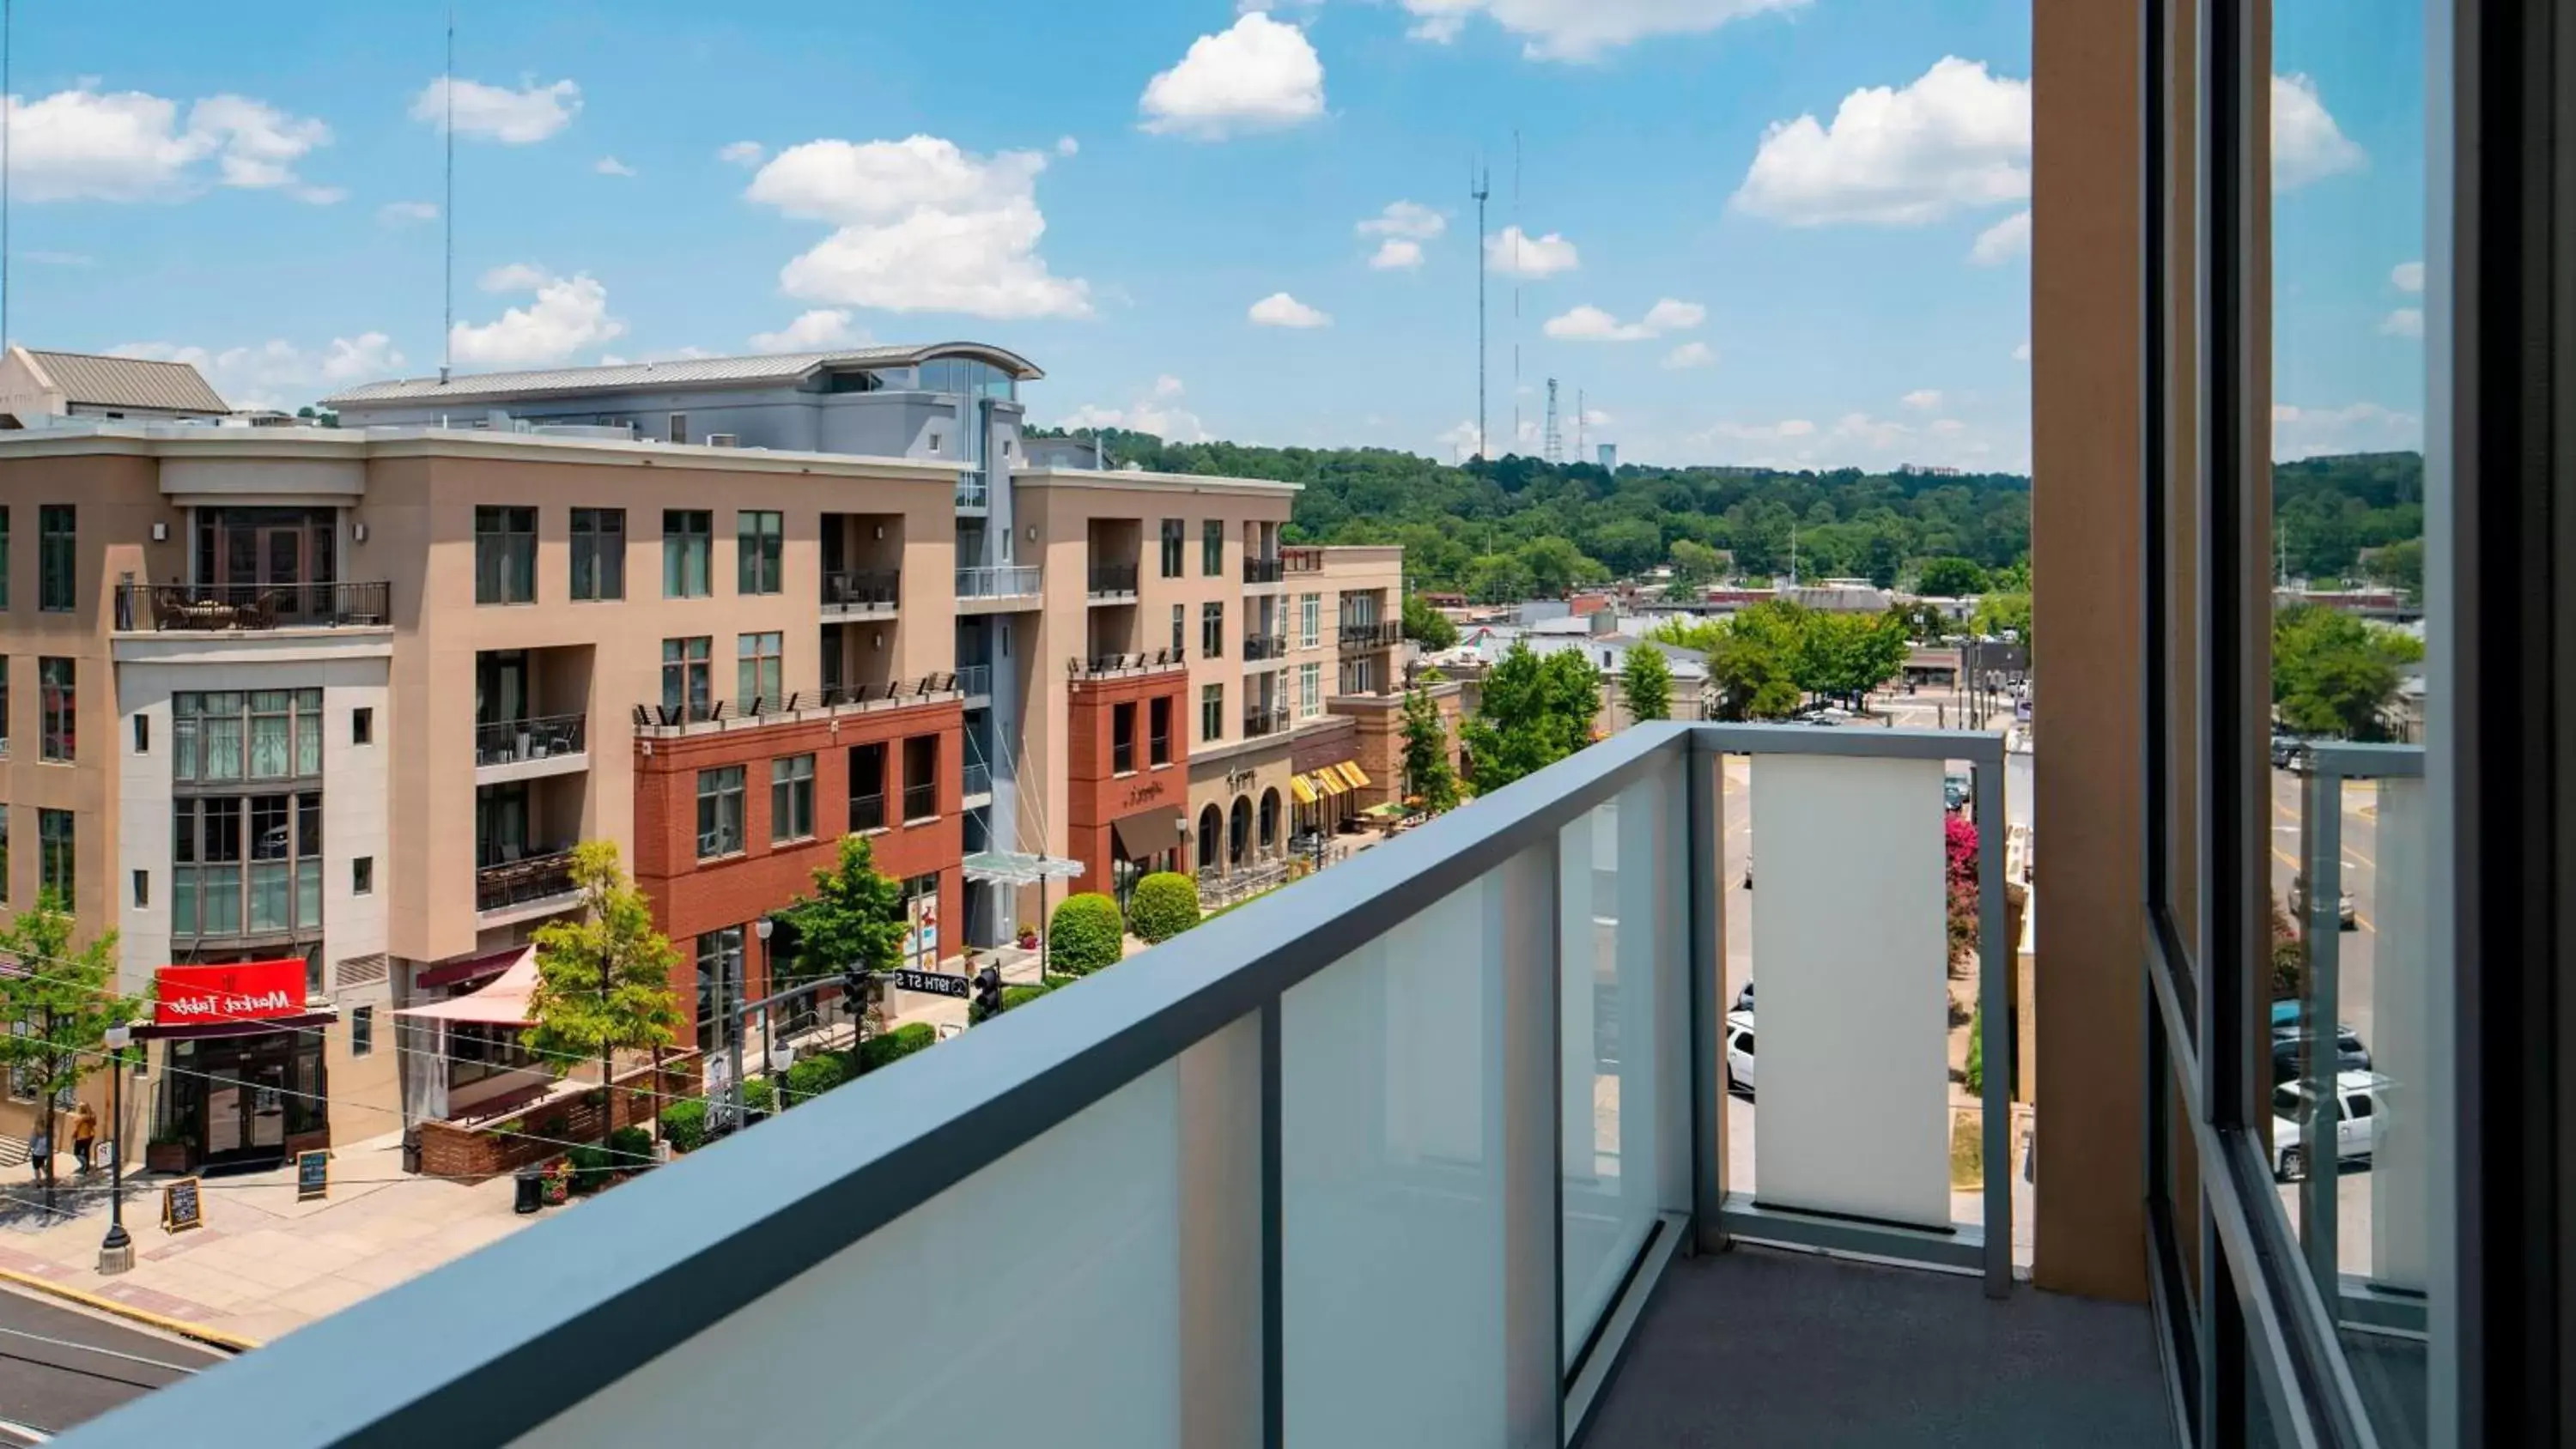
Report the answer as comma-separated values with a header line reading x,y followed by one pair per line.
x,y
212,1337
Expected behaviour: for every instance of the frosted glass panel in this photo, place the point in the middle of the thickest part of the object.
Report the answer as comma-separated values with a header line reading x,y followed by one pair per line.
x,y
1620,966
1040,1301
1850,945
1415,1231
2393,1017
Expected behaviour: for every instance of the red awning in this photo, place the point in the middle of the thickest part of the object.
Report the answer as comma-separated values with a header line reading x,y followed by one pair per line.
x,y
502,1003
464,973
200,1031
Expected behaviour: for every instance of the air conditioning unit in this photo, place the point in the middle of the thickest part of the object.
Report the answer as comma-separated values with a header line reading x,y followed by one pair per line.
x,y
724,440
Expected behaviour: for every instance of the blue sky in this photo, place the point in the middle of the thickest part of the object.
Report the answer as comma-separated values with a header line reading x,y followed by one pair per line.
x,y
1782,229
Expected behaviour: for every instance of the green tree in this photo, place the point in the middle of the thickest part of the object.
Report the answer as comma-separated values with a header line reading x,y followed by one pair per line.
x,y
854,919
67,998
1086,934
1751,658
604,979
1534,712
1999,614
2333,674
1427,626
1848,655
1695,562
1556,567
1498,578
1950,577
1428,775
2398,565
1646,682
1165,904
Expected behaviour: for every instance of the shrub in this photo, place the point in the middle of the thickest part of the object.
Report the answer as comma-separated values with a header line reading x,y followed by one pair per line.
x,y
1975,1075
590,1167
684,1125
1087,935
812,1076
630,1148
895,1045
759,1094
1166,903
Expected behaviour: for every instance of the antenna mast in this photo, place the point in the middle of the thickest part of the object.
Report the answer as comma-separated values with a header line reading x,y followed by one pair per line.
x,y
1516,289
447,207
8,109
1551,441
1578,425
1480,186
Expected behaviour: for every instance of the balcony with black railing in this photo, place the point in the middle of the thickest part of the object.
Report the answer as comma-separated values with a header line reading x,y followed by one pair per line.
x,y
1261,647
1260,720
861,592
558,738
222,608
503,886
868,812
920,801
1360,638
1257,570
1113,582
1111,666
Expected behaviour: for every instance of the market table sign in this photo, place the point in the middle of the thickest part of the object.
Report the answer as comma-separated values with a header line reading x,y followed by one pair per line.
x,y
234,991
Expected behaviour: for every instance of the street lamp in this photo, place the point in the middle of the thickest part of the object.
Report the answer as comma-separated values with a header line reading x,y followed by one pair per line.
x,y
768,987
116,1254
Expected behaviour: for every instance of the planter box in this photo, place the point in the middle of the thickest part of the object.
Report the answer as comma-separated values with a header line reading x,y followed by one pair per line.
x,y
171,1157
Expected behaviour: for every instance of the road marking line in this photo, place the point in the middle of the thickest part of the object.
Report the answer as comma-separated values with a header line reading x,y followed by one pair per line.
x,y
180,1326
2285,857
2363,921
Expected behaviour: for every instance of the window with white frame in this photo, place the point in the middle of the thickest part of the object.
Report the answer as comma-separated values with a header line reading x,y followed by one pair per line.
x,y
1310,690
1310,611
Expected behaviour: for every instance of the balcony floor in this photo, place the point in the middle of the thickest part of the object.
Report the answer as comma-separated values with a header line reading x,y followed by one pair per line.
x,y
1759,1347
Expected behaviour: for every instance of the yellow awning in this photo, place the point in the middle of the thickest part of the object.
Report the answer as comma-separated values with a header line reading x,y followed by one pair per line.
x,y
1302,788
1352,772
1331,782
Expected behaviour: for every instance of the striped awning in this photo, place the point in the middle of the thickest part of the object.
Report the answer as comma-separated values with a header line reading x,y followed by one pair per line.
x,y
1331,782
1302,788
1353,775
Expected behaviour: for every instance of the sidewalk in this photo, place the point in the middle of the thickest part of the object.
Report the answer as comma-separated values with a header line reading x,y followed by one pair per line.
x,y
264,1264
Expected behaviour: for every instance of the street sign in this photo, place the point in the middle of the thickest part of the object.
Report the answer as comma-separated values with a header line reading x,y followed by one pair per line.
x,y
181,1207
937,983
312,1175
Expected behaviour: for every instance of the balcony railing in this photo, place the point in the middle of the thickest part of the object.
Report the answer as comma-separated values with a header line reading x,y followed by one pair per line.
x,y
1409,1145
1112,579
1363,637
1265,646
545,737
862,591
973,493
219,607
671,719
920,802
1003,582
1302,560
979,778
1262,570
975,680
1258,721
868,812
503,884
1109,665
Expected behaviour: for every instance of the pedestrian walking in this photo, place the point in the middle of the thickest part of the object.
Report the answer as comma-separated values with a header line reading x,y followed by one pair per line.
x,y
40,1155
84,1134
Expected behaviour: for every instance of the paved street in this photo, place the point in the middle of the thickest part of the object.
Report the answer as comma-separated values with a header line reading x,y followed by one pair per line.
x,y
61,1366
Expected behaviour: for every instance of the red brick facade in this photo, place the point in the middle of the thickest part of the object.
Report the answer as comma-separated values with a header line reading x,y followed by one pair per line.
x,y
691,896
1096,794
536,1133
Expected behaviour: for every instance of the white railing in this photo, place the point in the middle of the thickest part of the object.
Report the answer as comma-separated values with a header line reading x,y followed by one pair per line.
x,y
1003,582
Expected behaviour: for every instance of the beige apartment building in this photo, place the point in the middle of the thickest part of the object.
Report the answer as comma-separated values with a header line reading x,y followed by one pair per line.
x,y
348,696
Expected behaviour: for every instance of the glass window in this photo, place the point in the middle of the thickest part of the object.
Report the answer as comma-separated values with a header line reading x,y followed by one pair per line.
x,y
599,553
1212,547
1310,611
249,863
687,682
268,734
1180,627
54,854
791,799
1310,690
1211,711
720,812
688,551
1159,730
867,787
505,555
720,985
4,556
4,855
362,876
760,540
921,777
272,733
362,1030
1122,738
57,557
362,725
4,695
57,697
1212,631
1172,548
759,671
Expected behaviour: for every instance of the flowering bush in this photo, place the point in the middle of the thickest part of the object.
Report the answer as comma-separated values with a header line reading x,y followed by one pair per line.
x,y
1959,848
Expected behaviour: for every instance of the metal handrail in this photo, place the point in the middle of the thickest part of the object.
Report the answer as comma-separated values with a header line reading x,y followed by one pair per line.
x,y
185,608
1000,581
868,812
502,884
862,588
920,802
1265,646
1262,570
974,493
1113,578
979,779
503,742
1259,722
1380,635
974,679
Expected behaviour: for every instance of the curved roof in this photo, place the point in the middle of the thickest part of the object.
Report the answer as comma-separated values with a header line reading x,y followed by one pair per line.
x,y
765,368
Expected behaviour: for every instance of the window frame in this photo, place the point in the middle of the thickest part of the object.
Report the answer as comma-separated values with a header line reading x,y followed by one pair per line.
x,y
1212,712
722,807
505,554
58,709
58,854
598,555
760,551
688,676
760,669
791,799
1175,544
1212,548
57,558
1212,629
688,553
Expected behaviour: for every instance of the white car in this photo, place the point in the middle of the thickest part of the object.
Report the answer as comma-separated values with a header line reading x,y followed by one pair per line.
x,y
2357,1112
1739,1053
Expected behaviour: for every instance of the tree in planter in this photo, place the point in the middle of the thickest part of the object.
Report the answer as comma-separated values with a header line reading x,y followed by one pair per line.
x,y
68,1000
604,979
1165,904
1085,935
855,917
1429,777
1646,683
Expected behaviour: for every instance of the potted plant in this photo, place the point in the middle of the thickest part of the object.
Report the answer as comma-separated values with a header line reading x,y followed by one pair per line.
x,y
1028,936
558,1183
168,1152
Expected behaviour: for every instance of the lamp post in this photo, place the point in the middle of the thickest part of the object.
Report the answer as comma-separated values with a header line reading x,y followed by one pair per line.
x,y
116,1254
762,928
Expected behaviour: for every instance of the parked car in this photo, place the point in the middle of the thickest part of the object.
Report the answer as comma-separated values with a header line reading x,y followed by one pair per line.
x,y
2356,1118
1744,1000
2344,912
1739,1053
1954,791
2350,1054
2286,748
1748,870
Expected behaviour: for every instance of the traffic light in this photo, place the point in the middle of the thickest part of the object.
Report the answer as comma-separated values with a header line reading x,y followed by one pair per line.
x,y
988,993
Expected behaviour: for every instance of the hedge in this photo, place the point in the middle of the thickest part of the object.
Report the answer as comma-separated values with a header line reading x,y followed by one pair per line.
x,y
1166,903
895,1045
812,1076
1087,934
684,1124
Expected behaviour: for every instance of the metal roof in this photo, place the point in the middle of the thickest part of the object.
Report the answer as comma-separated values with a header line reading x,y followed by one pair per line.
x,y
689,371
128,382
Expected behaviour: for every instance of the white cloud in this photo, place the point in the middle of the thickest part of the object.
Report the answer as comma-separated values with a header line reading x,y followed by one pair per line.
x,y
611,166
741,153
1067,146
1261,74
1514,253
406,213
1956,137
1922,400
2307,145
497,113
1462,440
2403,322
1281,310
2022,353
2004,241
1591,324
277,373
1397,254
1582,29
569,315
669,354
1157,412
2407,276
87,145
1409,219
820,330
1691,354
922,227
1786,428
2301,432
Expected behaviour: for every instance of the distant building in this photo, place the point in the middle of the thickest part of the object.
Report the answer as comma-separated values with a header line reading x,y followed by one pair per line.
x,y
1609,455
37,386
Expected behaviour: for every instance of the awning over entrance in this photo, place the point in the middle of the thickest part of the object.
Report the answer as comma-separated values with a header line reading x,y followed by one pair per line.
x,y
1353,775
1331,782
479,968
1147,833
1303,789
504,1002
204,1031
1004,867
